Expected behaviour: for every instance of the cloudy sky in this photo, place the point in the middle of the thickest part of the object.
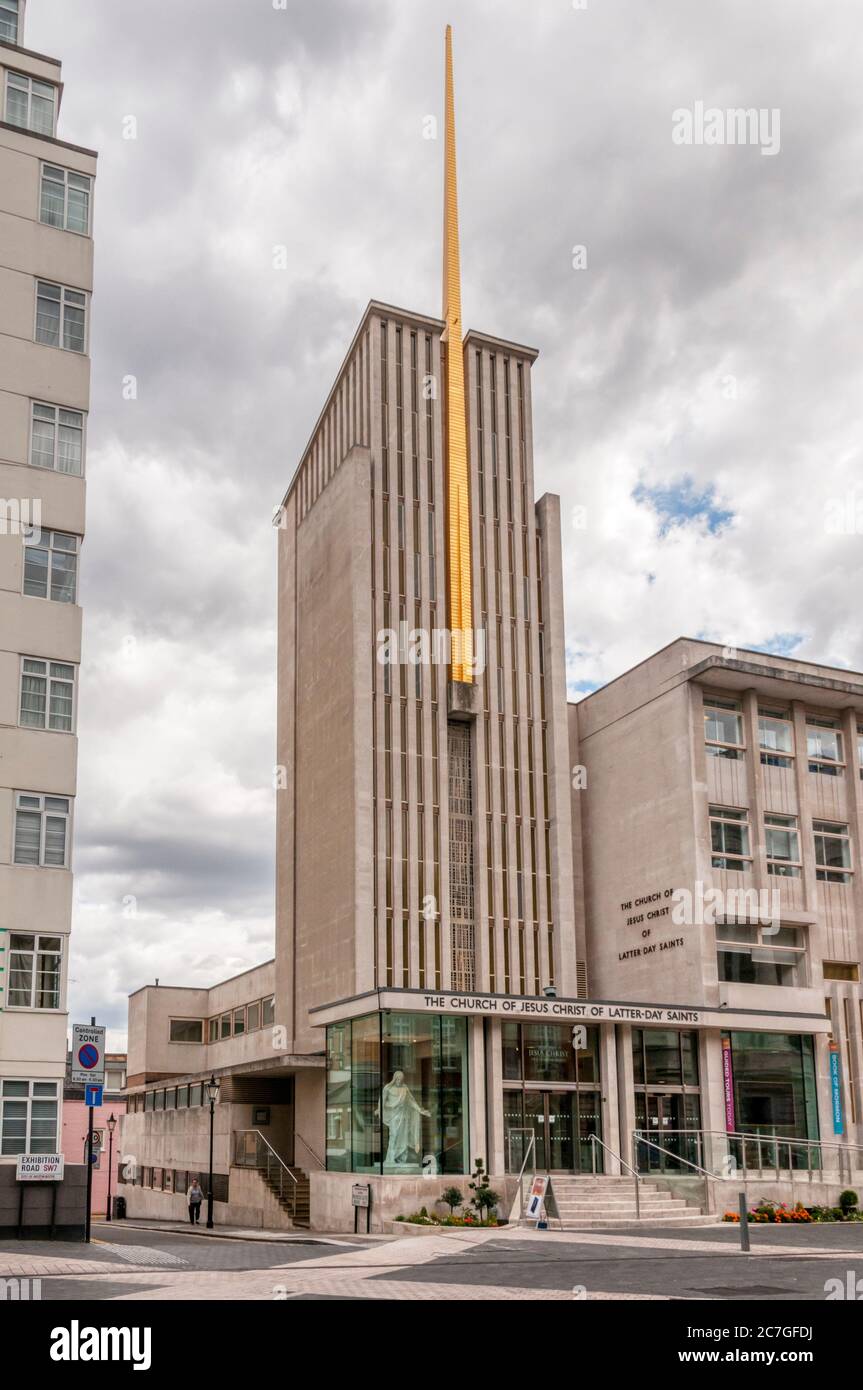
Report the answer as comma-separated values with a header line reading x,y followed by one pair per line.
x,y
696,400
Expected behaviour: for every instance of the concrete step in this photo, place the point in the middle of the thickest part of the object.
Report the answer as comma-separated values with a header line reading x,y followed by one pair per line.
x,y
630,1224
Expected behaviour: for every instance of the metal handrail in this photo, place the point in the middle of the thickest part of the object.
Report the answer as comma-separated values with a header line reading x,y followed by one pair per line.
x,y
308,1146
595,1139
531,1148
638,1138
264,1155
746,1137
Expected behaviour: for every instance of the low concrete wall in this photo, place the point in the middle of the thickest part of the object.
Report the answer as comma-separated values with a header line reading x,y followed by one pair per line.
x,y
71,1199
724,1193
251,1204
332,1209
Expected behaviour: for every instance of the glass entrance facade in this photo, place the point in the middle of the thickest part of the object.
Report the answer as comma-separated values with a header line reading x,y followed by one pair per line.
x,y
397,1095
667,1098
774,1084
551,1093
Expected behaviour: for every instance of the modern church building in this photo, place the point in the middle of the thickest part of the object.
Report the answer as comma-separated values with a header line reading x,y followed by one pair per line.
x,y
571,937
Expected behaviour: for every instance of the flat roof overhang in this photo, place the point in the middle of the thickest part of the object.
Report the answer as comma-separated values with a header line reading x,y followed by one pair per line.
x,y
273,1067
778,683
528,1007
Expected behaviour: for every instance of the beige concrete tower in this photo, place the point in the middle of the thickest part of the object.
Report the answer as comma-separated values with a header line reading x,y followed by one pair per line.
x,y
46,279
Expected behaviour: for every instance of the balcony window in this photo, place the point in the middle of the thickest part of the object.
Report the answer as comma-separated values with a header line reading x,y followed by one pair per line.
x,y
832,852
729,838
824,746
723,728
51,567
749,954
9,21
34,971
775,738
57,439
65,199
782,844
47,695
30,104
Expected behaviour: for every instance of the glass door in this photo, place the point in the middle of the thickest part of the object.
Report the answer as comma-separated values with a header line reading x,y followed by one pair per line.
x,y
561,1126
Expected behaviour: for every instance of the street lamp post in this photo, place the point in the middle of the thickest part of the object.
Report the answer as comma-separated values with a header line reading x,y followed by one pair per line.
x,y
213,1095
112,1125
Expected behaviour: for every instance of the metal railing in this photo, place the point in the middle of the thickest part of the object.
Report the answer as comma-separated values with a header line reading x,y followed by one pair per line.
x,y
594,1140
309,1149
739,1153
638,1138
252,1150
531,1149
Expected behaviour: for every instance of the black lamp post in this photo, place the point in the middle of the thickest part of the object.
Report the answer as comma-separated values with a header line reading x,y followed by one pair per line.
x,y
213,1095
112,1125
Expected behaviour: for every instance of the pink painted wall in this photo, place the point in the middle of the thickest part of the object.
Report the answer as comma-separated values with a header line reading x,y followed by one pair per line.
x,y
75,1121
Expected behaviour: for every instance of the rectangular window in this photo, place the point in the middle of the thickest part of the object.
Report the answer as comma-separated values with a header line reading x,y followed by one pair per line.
x,y
182,1097
824,746
268,1011
842,970
28,1117
239,1022
42,830
225,1027
57,439
65,199
729,838
832,852
723,728
61,316
187,1030
253,1020
213,1030
775,738
34,971
196,1094
30,103
47,695
51,567
750,954
782,844
9,20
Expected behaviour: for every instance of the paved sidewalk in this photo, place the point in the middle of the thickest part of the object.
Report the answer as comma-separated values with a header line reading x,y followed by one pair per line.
x,y
185,1228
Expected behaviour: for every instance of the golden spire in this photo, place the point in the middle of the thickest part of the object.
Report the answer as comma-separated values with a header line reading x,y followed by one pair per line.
x,y
455,427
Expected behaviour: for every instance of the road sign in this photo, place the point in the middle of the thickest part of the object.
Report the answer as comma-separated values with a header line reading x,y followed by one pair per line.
x,y
93,1096
39,1168
88,1055
98,1139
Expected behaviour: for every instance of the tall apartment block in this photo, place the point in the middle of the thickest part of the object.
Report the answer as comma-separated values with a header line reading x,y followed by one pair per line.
x,y
574,939
46,280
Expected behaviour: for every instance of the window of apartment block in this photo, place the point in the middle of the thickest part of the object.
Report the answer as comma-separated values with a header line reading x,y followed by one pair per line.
x,y
782,844
47,695
213,1030
824,746
775,737
239,1021
42,830
268,1011
751,954
842,970
225,1026
723,728
57,439
28,1117
34,971
51,567
9,21
729,838
832,852
30,103
253,1019
61,316
187,1030
65,199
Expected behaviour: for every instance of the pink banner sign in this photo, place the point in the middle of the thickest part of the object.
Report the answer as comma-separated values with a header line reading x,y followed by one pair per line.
x,y
728,1079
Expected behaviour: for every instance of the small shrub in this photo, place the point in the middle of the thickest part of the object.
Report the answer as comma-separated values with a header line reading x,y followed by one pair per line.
x,y
452,1197
848,1202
